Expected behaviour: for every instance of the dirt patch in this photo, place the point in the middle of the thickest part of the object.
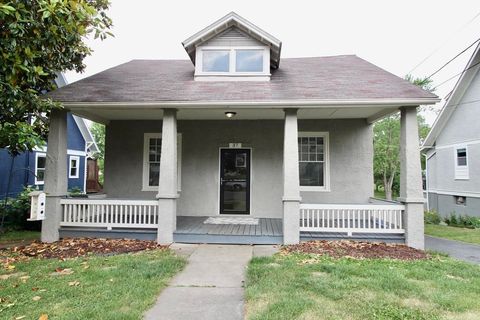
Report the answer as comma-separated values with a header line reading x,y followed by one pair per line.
x,y
357,250
71,248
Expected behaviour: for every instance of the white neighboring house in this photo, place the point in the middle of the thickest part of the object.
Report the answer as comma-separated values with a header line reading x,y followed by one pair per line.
x,y
452,148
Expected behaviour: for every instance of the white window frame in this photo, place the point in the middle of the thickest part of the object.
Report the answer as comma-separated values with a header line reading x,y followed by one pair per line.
x,y
38,155
461,172
77,167
326,160
146,144
232,66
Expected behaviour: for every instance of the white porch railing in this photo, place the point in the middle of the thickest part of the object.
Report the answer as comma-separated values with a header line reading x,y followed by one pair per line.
x,y
109,213
352,218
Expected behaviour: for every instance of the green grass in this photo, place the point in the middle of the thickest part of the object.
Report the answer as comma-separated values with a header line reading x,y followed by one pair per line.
x,y
113,287
285,287
18,236
453,233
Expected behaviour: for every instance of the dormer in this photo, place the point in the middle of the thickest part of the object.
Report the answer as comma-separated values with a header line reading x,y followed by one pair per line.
x,y
233,49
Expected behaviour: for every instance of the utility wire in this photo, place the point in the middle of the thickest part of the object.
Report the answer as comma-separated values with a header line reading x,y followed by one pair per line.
x,y
448,62
460,73
443,44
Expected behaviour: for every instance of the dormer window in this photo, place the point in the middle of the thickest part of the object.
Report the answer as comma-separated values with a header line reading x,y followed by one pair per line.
x,y
242,63
233,49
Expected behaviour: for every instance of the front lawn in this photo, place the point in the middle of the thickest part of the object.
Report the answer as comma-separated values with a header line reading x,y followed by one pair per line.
x,y
93,287
453,233
15,236
306,286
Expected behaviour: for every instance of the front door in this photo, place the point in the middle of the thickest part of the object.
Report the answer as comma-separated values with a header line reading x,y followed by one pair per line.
x,y
235,181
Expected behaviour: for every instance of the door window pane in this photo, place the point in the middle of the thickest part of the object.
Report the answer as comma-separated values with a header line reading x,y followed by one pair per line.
x,y
249,61
216,61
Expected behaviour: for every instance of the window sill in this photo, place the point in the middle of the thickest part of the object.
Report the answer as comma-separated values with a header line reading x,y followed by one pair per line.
x,y
314,189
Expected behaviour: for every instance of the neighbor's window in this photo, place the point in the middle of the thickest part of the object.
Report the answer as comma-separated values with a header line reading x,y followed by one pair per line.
x,y
40,160
461,163
313,158
216,61
74,164
249,61
462,157
151,160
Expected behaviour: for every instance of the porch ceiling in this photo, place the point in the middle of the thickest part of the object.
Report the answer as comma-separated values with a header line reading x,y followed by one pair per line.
x,y
106,114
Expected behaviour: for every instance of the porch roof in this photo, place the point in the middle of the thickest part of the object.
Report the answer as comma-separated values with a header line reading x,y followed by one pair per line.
x,y
337,79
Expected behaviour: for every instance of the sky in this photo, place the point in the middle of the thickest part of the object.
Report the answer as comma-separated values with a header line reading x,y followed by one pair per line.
x,y
395,35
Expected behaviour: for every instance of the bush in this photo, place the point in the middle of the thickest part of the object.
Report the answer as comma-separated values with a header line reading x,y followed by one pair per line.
x,y
462,221
17,211
432,217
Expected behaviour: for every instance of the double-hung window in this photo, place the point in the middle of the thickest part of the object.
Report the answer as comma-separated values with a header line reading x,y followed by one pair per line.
x,y
73,171
313,161
461,162
152,152
40,160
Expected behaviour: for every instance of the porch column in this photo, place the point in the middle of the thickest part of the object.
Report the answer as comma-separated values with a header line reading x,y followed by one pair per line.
x,y
291,181
56,181
411,178
167,187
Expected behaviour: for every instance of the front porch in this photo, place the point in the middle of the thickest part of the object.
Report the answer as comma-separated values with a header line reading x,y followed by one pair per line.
x,y
113,218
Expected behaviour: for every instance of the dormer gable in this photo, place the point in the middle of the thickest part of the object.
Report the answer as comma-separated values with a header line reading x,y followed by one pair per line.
x,y
233,48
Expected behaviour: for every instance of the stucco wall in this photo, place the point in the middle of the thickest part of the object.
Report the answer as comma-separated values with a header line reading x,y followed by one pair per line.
x,y
351,171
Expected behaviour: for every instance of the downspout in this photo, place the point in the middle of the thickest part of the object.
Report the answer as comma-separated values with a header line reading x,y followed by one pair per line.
x,y
426,181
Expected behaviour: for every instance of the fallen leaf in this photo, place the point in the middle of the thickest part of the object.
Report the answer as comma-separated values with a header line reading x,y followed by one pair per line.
x,y
43,317
20,318
74,283
36,298
42,290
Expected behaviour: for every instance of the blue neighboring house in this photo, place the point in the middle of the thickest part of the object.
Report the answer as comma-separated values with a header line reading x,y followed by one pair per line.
x,y
28,168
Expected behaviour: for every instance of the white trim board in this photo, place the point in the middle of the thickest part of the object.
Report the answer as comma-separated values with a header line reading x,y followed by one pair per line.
x,y
457,144
470,194
69,151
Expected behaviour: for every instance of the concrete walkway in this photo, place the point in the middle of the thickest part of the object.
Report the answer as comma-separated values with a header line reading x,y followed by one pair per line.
x,y
210,286
456,249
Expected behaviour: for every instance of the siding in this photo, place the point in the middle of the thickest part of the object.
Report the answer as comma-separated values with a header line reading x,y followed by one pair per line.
x,y
232,37
351,158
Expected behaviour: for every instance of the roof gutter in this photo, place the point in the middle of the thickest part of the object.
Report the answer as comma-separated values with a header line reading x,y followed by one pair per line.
x,y
250,104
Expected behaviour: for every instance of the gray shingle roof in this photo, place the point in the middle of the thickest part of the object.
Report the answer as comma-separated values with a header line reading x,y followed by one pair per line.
x,y
345,77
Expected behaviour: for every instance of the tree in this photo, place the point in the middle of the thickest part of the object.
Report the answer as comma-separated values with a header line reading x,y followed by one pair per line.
x,y
37,40
98,132
386,142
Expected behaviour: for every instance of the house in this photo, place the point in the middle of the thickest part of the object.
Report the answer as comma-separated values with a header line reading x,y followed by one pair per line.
x,y
452,148
236,145
28,168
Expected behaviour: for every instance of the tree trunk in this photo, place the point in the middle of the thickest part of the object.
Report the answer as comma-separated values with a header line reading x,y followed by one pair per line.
x,y
387,186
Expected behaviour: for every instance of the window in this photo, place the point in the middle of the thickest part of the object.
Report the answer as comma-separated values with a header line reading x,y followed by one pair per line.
x,y
461,163
152,151
216,61
233,61
40,160
73,171
459,200
313,161
249,61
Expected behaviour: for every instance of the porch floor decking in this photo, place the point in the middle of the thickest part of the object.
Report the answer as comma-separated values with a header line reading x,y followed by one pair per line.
x,y
194,230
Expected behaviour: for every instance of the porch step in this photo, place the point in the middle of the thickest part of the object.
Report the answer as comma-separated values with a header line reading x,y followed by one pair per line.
x,y
226,239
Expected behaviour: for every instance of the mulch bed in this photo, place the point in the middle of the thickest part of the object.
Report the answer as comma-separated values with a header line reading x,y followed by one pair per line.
x,y
357,250
72,248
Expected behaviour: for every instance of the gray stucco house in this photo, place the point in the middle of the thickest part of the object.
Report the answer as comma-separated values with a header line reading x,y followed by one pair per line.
x,y
453,148
238,145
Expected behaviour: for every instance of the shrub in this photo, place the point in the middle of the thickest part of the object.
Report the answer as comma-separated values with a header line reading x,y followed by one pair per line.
x,y
17,211
462,221
432,217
